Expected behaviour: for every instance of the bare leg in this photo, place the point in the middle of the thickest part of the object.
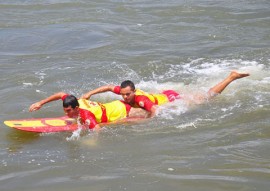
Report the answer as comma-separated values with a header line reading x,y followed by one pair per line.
x,y
217,89
200,98
138,112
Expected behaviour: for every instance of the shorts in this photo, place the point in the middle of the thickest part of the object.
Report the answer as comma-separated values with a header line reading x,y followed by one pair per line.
x,y
171,95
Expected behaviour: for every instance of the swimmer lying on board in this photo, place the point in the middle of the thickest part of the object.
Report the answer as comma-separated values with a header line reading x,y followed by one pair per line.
x,y
149,102
93,113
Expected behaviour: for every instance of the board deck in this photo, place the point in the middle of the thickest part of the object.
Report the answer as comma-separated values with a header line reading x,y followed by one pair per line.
x,y
43,125
57,124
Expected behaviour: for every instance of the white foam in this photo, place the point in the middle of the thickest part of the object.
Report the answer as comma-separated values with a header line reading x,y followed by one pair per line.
x,y
77,133
186,125
168,111
155,87
28,84
266,80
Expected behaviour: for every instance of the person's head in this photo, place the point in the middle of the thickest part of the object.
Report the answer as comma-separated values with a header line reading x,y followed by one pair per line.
x,y
128,91
71,106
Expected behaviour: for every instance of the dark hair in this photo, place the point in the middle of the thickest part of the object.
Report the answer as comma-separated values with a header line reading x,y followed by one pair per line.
x,y
129,83
70,100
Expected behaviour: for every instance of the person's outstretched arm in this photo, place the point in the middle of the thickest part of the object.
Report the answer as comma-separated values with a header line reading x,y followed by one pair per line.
x,y
39,104
101,89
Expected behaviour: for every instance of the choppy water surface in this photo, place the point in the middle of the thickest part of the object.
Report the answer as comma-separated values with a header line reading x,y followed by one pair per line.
x,y
189,46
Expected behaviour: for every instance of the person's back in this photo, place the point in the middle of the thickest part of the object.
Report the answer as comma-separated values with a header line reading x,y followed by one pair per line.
x,y
106,112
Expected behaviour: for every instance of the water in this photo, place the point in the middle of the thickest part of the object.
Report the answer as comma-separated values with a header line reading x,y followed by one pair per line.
x,y
189,46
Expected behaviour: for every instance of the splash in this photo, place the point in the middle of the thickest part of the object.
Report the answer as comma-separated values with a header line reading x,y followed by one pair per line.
x,y
75,135
186,125
79,132
190,78
171,110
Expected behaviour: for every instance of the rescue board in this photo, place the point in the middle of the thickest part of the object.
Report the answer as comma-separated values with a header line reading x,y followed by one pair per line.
x,y
57,124
43,125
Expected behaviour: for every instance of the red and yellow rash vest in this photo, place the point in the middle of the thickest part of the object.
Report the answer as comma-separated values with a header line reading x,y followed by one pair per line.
x,y
146,100
94,112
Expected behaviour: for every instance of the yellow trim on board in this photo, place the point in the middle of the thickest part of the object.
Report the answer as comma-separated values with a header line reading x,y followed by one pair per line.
x,y
55,122
23,123
36,123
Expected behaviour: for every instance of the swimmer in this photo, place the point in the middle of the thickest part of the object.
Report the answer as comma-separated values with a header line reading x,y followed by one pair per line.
x,y
149,102
91,113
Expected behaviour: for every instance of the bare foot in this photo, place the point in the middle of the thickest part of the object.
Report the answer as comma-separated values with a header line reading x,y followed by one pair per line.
x,y
217,89
236,75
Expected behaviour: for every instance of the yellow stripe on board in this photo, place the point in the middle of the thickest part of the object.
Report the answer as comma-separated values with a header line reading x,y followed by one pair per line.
x,y
55,122
22,123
